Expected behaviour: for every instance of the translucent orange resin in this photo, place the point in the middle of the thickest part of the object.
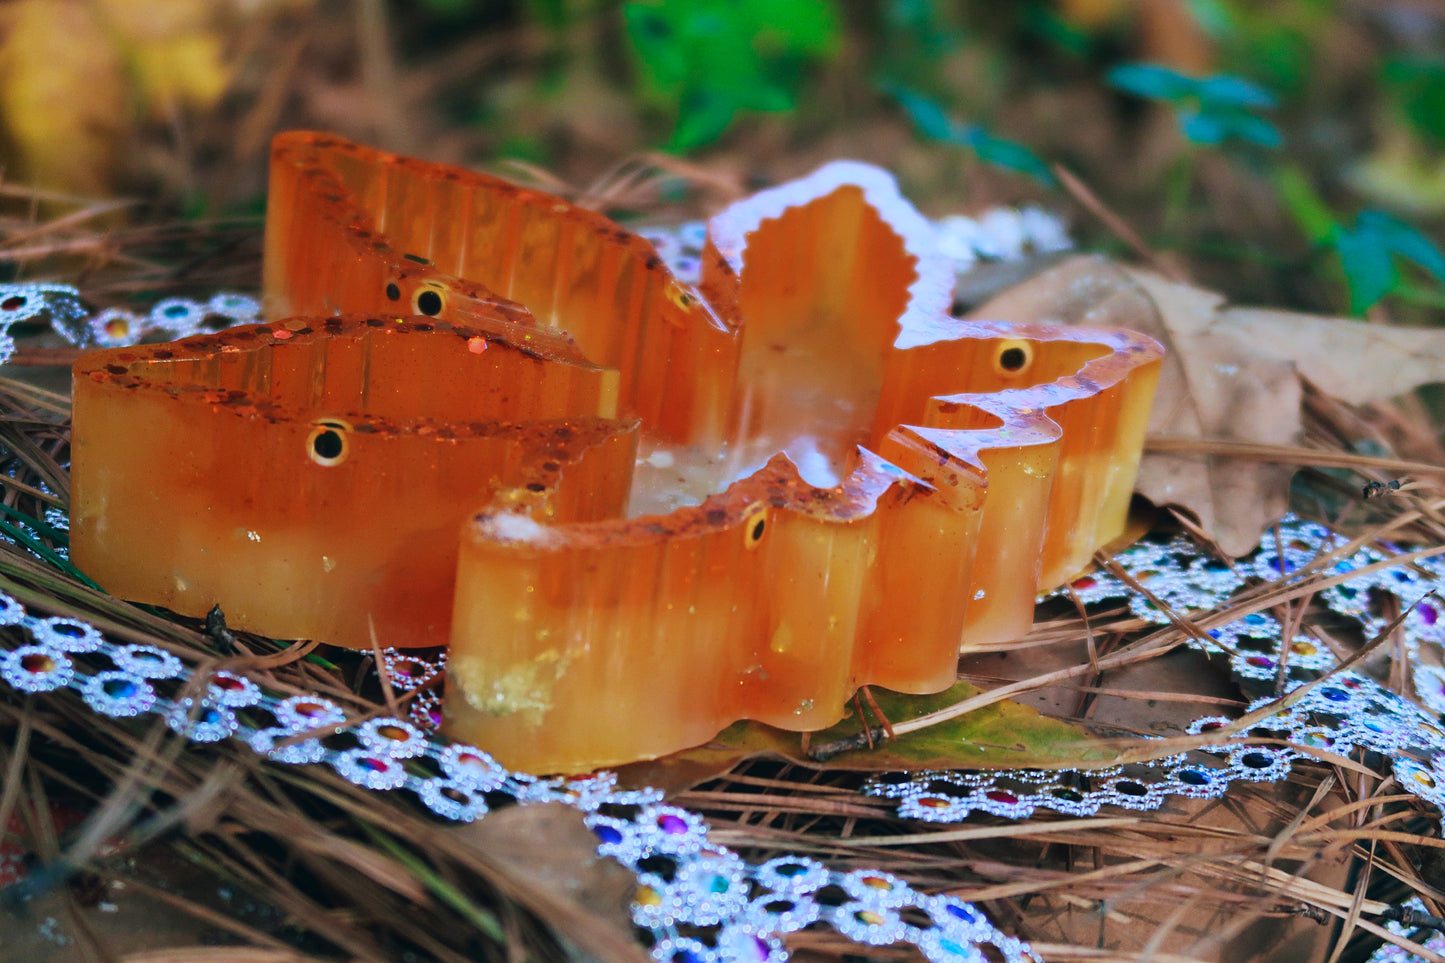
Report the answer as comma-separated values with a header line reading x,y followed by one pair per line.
x,y
638,511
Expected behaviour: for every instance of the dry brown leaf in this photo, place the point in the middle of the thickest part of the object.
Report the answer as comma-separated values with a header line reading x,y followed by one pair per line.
x,y
549,857
1231,374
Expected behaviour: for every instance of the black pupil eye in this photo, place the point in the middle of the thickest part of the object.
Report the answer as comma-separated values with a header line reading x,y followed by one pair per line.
x,y
327,445
429,303
758,527
393,293
1012,359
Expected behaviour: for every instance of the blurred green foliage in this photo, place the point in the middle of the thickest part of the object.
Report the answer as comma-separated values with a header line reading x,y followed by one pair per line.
x,y
707,61
1211,110
1341,89
1369,250
1417,86
934,123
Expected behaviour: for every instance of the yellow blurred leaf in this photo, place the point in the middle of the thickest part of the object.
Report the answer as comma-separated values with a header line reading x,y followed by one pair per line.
x,y
74,74
182,72
62,95
174,49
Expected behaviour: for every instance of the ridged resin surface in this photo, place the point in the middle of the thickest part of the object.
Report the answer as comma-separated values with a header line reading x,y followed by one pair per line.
x,y
639,511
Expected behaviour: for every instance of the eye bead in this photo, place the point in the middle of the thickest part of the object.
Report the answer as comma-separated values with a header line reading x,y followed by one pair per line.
x,y
428,301
1013,357
327,445
755,526
680,296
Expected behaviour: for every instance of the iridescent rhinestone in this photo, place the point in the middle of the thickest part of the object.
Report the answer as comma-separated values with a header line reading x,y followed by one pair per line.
x,y
861,923
452,800
470,766
36,668
673,830
68,635
612,834
939,947
373,770
280,743
147,661
742,942
710,887
872,888
794,875
238,308
117,694
229,689
209,723
393,737
180,317
781,912
12,612
305,713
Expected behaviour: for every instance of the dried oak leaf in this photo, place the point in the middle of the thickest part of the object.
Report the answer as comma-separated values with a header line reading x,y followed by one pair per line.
x,y
546,858
1231,374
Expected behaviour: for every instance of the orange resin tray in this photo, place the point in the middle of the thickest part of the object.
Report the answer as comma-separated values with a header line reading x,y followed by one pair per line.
x,y
637,510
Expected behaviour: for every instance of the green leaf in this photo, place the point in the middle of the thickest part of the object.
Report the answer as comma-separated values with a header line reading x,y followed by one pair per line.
x,y
792,26
660,53
705,116
933,122
1369,269
1418,86
1225,90
1367,253
1254,130
708,60
927,115
1153,82
1003,735
1404,240
1012,156
1203,128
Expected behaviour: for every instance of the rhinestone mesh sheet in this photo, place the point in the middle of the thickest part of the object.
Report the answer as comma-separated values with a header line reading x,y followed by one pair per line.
x,y
1322,706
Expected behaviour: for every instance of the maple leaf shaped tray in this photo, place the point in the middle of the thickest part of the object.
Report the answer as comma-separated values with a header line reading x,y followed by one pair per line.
x,y
637,511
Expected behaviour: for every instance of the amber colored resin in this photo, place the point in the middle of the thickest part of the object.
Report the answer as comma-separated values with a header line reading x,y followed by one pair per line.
x,y
639,511
311,476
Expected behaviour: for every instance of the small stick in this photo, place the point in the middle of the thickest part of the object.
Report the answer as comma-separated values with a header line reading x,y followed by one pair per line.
x,y
1080,192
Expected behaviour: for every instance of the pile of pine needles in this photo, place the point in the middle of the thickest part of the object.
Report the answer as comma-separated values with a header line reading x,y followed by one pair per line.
x,y
141,842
